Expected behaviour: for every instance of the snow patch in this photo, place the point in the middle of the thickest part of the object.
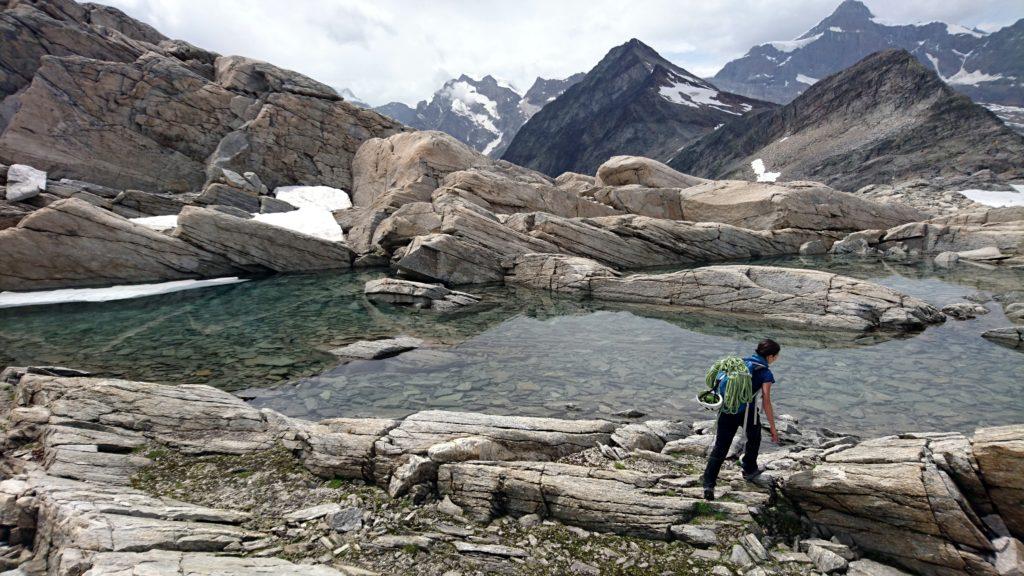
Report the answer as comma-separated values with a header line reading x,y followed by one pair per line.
x,y
998,199
309,221
806,79
935,63
158,223
464,97
791,45
492,144
689,91
318,197
958,29
835,29
124,292
762,175
972,78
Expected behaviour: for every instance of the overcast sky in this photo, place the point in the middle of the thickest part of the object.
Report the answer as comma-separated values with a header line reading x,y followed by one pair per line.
x,y
388,50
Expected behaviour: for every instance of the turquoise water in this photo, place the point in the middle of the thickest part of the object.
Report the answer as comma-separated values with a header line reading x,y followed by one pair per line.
x,y
526,352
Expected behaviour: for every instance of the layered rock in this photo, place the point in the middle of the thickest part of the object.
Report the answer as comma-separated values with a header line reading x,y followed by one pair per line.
x,y
603,500
252,245
417,294
99,96
46,248
999,229
804,297
510,194
74,442
915,499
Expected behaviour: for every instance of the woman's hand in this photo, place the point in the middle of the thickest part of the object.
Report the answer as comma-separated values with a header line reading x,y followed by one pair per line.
x,y
769,410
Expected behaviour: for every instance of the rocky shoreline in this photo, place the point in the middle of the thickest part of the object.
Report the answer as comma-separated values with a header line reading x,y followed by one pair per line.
x,y
103,476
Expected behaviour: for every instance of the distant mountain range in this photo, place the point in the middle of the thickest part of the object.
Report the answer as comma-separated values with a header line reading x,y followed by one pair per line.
x,y
887,118
988,67
485,113
633,102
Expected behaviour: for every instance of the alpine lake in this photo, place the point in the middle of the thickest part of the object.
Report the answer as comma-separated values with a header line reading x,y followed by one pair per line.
x,y
531,353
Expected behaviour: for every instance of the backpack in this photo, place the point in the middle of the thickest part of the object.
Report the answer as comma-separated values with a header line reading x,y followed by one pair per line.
x,y
729,379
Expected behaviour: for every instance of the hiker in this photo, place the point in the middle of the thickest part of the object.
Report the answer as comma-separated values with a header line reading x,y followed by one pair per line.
x,y
746,414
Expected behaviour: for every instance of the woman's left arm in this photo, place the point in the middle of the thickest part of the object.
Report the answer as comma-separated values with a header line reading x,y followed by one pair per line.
x,y
769,410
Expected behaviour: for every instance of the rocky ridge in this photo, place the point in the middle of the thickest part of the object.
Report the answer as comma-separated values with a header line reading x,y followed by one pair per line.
x,y
484,114
974,62
884,120
632,102
96,491
92,94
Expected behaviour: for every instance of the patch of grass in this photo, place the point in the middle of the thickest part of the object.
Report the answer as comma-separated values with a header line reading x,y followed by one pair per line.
x,y
706,509
156,453
410,549
619,465
244,473
334,483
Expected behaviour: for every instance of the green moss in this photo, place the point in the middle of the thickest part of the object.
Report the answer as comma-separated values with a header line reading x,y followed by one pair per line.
x,y
335,483
619,466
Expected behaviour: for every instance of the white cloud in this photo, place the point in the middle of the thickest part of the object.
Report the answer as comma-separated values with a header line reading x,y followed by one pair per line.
x,y
403,50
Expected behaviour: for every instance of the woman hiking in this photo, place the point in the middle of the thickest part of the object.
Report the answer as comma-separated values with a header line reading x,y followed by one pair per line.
x,y
746,415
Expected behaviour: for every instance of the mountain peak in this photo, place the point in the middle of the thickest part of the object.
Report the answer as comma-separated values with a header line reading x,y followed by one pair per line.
x,y
852,9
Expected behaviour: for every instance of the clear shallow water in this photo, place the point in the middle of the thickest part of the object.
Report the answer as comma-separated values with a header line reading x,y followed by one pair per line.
x,y
527,352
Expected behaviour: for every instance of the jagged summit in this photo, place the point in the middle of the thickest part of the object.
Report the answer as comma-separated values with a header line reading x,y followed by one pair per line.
x,y
888,118
484,113
972,61
634,102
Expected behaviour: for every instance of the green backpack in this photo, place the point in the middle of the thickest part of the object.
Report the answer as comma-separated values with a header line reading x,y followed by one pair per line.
x,y
728,385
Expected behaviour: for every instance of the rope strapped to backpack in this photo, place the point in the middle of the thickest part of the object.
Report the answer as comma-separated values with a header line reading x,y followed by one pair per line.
x,y
738,386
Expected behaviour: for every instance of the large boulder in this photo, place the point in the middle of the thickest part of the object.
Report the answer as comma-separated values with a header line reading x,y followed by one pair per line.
x,y
253,245
408,167
792,296
73,243
24,182
900,498
624,170
502,194
804,205
654,202
1000,455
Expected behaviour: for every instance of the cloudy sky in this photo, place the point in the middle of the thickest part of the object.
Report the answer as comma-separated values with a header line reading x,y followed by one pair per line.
x,y
403,50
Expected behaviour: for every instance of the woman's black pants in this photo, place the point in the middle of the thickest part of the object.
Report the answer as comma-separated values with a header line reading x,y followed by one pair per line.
x,y
728,425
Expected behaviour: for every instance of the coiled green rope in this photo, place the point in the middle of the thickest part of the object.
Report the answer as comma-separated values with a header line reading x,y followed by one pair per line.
x,y
738,389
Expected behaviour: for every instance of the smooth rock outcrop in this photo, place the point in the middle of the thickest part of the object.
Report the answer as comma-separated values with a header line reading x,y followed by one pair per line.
x,y
417,294
792,296
625,170
376,349
253,245
803,205
46,248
